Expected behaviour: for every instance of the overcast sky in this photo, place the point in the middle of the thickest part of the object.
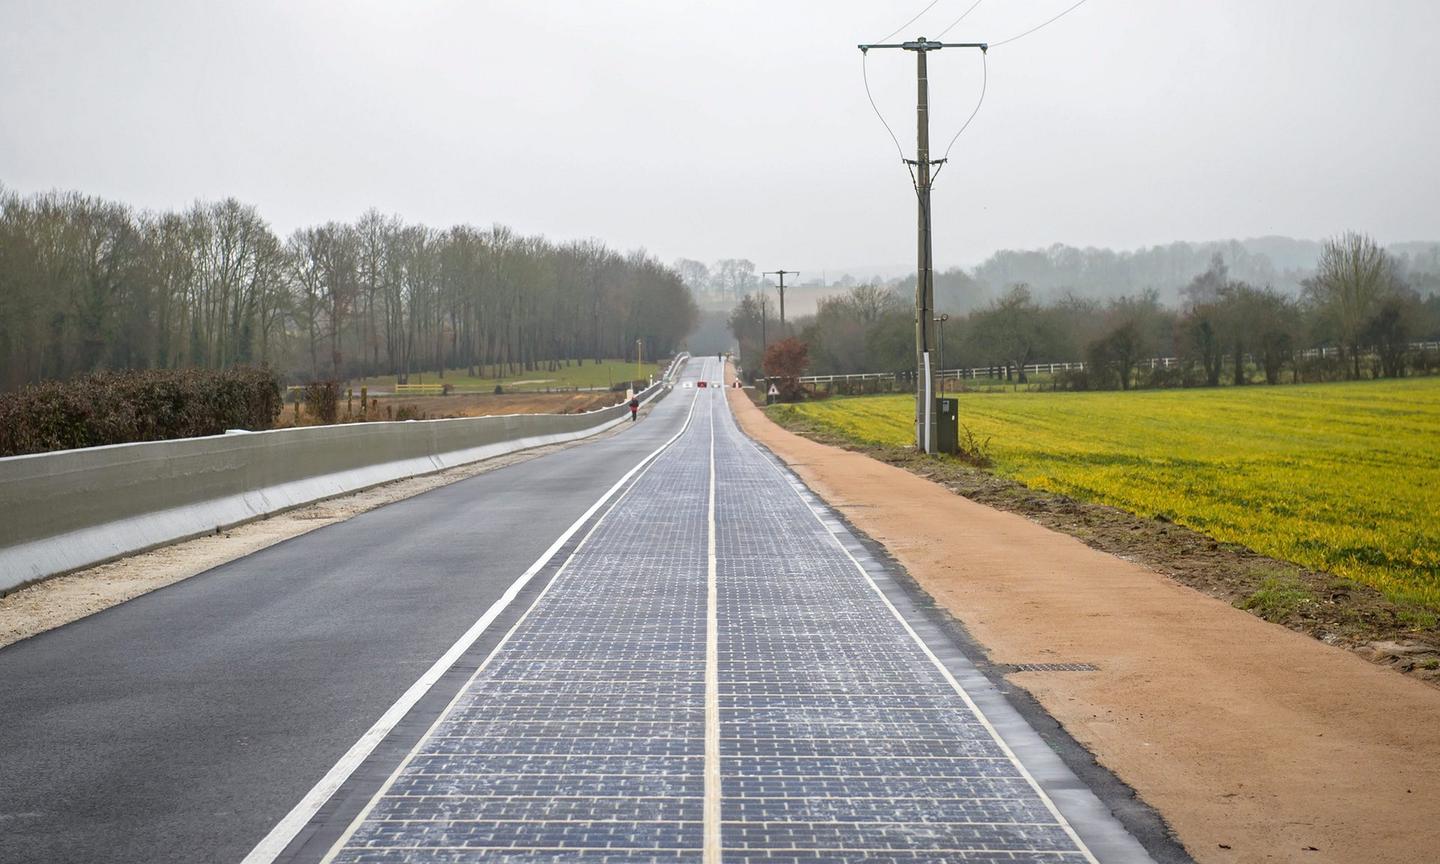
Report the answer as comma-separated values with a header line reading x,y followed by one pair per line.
x,y
740,128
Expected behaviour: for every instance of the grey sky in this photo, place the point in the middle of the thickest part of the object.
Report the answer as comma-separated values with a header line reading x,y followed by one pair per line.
x,y
740,129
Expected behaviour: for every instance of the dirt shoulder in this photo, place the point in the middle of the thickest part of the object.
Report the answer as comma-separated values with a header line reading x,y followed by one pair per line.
x,y
1255,742
464,405
60,600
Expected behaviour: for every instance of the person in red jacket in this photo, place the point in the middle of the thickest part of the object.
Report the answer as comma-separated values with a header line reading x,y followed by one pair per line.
x,y
634,407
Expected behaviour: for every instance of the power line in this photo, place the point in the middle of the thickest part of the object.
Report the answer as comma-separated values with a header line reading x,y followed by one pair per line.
x,y
908,23
865,73
1039,26
985,71
952,24
984,84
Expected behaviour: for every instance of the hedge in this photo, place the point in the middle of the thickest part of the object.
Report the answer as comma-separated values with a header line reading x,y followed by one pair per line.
x,y
147,405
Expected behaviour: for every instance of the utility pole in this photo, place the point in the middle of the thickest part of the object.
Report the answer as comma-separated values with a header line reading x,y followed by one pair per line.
x,y
924,268
764,313
782,274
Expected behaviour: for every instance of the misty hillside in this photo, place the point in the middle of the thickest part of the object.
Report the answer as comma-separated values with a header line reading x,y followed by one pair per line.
x,y
1279,261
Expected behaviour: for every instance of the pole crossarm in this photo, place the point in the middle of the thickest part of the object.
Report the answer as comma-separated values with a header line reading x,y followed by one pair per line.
x,y
923,44
782,274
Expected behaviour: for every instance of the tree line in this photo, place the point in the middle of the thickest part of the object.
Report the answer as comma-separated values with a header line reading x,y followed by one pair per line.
x,y
1359,307
88,284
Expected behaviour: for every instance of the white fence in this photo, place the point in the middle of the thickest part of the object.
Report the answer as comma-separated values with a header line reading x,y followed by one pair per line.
x,y
999,371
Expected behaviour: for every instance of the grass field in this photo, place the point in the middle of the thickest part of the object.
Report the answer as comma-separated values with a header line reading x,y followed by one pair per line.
x,y
590,375
1337,477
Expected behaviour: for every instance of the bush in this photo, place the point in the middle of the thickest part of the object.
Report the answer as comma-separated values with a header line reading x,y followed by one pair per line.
x,y
1163,376
785,362
322,401
1072,379
1316,369
1425,362
144,405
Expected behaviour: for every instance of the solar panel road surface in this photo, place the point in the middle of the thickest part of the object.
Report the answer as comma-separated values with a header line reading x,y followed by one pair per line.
x,y
711,676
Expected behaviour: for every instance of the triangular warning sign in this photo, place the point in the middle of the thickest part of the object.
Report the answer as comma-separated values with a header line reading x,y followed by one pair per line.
x,y
774,391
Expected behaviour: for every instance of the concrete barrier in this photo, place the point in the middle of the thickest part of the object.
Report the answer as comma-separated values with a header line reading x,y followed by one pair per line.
x,y
74,508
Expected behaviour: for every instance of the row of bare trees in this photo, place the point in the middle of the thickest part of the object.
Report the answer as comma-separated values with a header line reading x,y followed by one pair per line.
x,y
1357,307
90,284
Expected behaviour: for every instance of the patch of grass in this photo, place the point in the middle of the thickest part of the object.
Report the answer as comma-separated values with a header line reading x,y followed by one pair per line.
x,y
1278,598
1340,478
1418,618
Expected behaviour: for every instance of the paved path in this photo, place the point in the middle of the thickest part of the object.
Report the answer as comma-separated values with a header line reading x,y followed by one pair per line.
x,y
710,677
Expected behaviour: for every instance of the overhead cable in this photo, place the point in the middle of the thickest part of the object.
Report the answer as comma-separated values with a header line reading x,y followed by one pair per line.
x,y
908,23
1038,26
958,20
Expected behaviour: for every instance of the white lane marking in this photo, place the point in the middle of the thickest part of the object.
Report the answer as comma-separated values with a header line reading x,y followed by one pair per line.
x,y
944,671
711,850
285,831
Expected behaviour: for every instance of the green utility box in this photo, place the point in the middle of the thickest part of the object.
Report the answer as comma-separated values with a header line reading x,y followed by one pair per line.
x,y
947,424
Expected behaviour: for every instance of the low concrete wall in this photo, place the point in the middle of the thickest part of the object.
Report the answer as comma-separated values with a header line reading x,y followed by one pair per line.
x,y
75,508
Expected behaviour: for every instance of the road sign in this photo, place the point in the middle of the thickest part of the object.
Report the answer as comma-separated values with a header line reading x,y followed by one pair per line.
x,y
774,391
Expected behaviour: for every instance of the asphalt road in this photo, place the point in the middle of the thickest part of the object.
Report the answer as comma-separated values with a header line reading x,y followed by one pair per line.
x,y
182,725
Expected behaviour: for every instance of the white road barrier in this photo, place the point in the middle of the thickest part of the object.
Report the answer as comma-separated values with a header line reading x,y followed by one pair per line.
x,y
75,508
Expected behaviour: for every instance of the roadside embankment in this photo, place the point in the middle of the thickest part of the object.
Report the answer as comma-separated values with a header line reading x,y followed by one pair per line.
x,y
69,509
51,603
1255,742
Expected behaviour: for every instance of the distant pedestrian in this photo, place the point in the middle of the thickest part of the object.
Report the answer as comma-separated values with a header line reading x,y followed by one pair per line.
x,y
634,407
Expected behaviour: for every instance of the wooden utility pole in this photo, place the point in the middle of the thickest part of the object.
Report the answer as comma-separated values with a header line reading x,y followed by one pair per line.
x,y
924,267
924,295
782,274
764,313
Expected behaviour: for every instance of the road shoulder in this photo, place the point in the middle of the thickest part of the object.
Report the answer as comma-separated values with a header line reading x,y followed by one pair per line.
x,y
1254,742
50,603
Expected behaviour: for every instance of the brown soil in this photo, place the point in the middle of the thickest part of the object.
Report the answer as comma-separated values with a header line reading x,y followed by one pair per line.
x,y
1255,742
1335,610
469,405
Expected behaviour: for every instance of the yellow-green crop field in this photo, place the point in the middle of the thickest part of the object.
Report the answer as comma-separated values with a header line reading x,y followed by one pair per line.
x,y
1338,477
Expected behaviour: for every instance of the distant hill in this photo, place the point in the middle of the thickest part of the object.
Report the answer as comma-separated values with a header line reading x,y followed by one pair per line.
x,y
1283,262
1279,261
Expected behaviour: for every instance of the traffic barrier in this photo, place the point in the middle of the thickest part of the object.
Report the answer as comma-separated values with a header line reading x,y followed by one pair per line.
x,y
75,508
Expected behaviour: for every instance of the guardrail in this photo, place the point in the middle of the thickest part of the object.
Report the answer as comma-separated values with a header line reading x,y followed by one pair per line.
x,y
75,508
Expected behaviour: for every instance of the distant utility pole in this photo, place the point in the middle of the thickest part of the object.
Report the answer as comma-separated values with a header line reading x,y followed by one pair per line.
x,y
782,274
764,313
925,269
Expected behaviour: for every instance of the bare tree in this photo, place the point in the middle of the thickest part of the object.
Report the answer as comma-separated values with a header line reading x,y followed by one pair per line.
x,y
1010,329
87,284
1353,277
